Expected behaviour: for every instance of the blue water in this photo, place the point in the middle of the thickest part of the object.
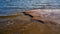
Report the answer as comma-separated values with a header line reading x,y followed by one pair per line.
x,y
12,6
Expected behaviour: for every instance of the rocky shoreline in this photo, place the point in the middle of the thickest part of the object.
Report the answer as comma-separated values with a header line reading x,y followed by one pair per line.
x,y
28,22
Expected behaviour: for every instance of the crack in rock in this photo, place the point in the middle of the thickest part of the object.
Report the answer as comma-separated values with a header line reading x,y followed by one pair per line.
x,y
44,15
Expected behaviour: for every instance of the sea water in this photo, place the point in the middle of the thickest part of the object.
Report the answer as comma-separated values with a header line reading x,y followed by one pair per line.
x,y
8,7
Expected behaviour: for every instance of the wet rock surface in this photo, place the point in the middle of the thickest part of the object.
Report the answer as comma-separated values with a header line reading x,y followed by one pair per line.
x,y
45,15
29,22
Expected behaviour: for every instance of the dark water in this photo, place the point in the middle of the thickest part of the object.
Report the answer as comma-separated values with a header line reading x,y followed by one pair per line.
x,y
8,7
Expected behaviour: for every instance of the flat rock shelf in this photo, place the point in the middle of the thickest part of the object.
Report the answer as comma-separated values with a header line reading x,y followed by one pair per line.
x,y
36,21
